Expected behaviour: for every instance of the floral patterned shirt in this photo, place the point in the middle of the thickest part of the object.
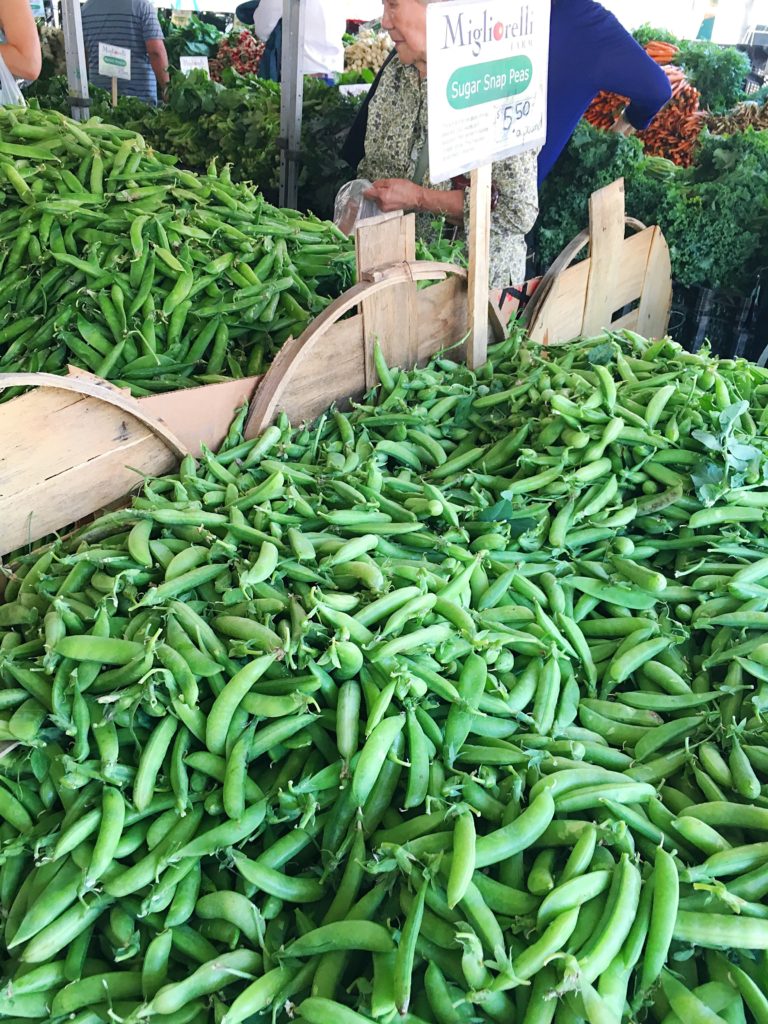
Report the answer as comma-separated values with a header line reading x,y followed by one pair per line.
x,y
396,134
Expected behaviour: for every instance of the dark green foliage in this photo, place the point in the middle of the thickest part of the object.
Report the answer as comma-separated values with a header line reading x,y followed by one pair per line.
x,y
592,159
718,72
647,33
195,39
714,215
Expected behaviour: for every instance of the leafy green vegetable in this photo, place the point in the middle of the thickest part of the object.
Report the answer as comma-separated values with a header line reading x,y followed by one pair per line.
x,y
714,215
718,72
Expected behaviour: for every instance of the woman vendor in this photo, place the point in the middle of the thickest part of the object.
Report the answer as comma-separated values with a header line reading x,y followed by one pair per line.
x,y
396,153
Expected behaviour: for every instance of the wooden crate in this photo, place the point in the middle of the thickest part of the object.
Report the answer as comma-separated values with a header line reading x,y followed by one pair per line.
x,y
332,361
621,273
73,445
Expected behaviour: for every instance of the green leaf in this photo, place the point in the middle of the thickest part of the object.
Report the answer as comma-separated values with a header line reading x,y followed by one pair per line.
x,y
709,482
714,444
731,414
601,355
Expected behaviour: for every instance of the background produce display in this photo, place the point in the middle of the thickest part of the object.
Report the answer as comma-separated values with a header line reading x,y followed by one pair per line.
x,y
241,51
446,709
714,224
118,261
367,51
196,38
52,50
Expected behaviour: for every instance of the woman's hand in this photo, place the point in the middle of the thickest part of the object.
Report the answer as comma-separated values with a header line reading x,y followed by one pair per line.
x,y
395,194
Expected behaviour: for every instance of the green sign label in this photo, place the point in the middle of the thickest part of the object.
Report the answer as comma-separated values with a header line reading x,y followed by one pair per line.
x,y
494,80
117,61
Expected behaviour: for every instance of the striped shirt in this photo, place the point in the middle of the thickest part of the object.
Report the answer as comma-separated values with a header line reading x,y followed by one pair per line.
x,y
126,23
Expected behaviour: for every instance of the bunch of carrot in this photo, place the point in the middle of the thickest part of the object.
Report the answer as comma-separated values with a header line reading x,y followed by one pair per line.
x,y
674,131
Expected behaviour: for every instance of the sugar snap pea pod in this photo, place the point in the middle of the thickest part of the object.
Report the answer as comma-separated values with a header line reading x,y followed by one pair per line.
x,y
406,950
294,889
720,931
317,1010
373,756
503,899
41,913
241,964
752,994
233,907
152,758
570,894
530,962
463,860
57,935
110,832
607,942
734,861
666,895
154,969
362,935
686,1004
114,985
227,702
258,995
277,732
518,835
147,868
106,650
224,835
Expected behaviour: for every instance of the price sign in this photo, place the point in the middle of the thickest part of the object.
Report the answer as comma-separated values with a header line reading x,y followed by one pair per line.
x,y
487,82
38,8
114,62
181,18
194,64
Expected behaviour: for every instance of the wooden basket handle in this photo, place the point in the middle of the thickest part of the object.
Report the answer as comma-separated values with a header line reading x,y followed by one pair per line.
x,y
561,263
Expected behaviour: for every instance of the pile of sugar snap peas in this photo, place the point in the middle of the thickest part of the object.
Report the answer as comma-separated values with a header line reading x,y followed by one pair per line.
x,y
446,709
148,275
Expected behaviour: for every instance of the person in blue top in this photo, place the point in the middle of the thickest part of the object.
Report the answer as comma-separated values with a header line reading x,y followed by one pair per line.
x,y
590,51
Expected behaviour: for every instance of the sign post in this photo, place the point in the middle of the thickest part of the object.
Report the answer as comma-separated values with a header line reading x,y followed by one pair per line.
x,y
487,93
114,63
291,100
74,49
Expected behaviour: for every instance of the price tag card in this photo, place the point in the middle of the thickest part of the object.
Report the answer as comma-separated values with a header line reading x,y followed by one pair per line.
x,y
194,64
114,61
487,81
181,18
38,8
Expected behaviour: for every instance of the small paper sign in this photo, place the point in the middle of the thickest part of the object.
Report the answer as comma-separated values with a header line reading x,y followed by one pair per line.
x,y
181,18
194,64
487,85
114,61
38,8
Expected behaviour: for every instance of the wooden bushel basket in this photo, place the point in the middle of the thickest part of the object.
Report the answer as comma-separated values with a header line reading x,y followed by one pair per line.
x,y
594,295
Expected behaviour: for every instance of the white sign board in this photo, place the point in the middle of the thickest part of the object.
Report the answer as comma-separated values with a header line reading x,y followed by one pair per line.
x,y
194,64
38,8
487,81
114,62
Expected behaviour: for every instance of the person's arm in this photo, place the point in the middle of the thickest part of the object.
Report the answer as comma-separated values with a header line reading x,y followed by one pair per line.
x,y
401,194
266,17
158,58
21,50
625,68
155,44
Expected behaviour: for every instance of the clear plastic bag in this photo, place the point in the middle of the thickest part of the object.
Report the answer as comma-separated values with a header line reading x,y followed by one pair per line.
x,y
10,93
351,206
